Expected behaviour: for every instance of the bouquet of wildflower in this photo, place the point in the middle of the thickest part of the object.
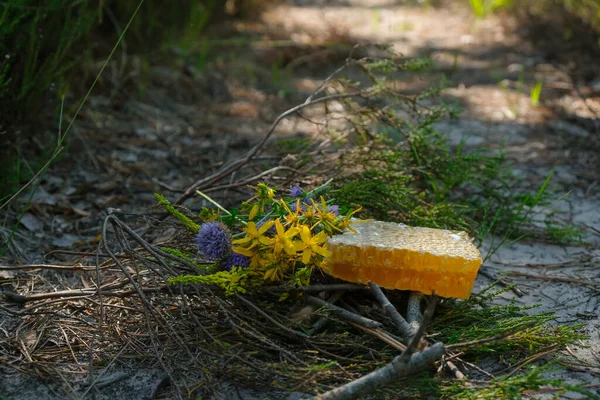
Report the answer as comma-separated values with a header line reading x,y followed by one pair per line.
x,y
268,239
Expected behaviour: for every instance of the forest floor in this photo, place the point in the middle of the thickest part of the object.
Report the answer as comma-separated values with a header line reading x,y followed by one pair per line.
x,y
187,123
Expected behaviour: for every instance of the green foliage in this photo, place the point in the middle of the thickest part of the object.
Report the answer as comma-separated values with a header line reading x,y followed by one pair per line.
x,y
513,386
563,233
187,257
527,333
292,145
182,24
536,92
42,42
238,280
37,48
560,14
409,173
11,176
421,181
482,8
186,221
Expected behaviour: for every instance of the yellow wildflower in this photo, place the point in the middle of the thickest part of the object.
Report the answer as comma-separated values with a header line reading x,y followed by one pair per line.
x,y
254,237
275,266
327,218
312,244
253,212
257,260
344,223
292,217
283,239
263,192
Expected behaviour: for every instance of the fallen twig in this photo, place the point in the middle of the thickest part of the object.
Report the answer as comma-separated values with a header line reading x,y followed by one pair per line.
x,y
383,336
236,165
270,319
503,282
317,288
404,328
65,294
321,322
386,375
415,341
407,363
345,314
413,312
555,278
46,266
497,338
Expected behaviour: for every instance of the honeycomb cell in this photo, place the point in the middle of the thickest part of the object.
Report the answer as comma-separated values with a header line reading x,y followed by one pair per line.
x,y
397,256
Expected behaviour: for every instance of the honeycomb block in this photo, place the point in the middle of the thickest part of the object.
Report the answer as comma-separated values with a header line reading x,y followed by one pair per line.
x,y
397,256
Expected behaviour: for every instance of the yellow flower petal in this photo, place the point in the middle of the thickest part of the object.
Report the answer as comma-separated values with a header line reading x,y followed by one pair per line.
x,y
306,256
243,251
279,227
242,240
250,229
289,247
300,246
292,232
320,237
305,234
322,251
253,212
265,227
266,241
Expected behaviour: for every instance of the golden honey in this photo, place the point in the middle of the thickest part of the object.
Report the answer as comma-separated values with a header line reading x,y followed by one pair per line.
x,y
397,256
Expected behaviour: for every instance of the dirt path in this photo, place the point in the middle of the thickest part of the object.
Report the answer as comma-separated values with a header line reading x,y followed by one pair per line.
x,y
189,123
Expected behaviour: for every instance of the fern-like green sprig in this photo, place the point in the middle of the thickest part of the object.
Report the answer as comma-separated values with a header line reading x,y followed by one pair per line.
x,y
238,280
191,225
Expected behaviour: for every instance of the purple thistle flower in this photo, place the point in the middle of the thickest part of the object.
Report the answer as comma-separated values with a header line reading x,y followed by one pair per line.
x,y
334,209
235,260
214,240
296,191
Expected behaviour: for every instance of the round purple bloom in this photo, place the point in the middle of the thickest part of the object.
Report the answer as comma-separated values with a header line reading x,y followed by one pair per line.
x,y
334,209
237,260
214,240
296,191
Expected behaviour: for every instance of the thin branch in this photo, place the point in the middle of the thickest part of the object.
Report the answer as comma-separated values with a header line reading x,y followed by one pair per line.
x,y
46,266
344,314
270,319
556,278
386,375
66,294
497,338
413,313
251,179
383,336
403,327
236,165
321,322
317,288
416,340
503,282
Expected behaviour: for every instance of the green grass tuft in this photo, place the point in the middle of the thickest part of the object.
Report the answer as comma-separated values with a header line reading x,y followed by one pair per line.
x,y
186,221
